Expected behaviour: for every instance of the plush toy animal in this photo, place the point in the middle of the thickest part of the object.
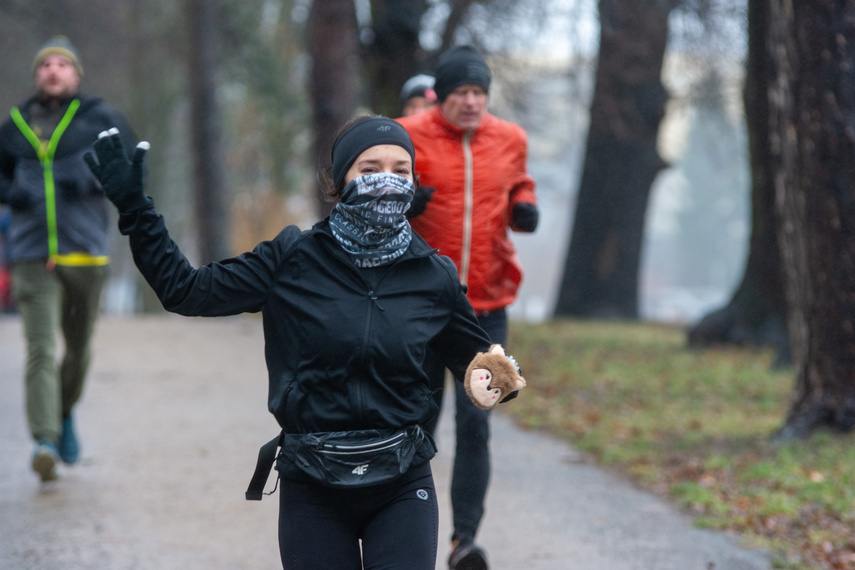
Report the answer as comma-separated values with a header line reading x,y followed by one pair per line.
x,y
491,377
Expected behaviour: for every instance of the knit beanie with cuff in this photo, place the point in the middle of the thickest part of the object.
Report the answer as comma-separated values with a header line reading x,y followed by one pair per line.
x,y
58,45
461,65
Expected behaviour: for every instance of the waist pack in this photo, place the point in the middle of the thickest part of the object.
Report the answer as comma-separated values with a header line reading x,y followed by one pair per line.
x,y
358,458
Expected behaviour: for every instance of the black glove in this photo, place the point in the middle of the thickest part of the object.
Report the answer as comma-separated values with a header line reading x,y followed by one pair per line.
x,y
122,179
515,393
423,195
20,199
524,217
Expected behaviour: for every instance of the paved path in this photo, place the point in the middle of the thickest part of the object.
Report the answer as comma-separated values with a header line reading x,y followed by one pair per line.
x,y
171,421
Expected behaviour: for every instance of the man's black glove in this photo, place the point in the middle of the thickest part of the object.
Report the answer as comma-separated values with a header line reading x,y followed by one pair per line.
x,y
121,179
524,217
20,199
423,195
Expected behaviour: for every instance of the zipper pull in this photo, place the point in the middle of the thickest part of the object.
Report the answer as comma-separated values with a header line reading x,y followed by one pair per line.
x,y
373,297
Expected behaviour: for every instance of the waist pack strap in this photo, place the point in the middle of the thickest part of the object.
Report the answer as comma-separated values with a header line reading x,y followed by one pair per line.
x,y
266,457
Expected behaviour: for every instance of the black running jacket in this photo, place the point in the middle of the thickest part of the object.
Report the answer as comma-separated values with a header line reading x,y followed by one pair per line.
x,y
341,354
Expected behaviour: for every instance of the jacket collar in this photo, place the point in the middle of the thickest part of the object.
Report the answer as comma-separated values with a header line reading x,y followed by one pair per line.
x,y
61,103
86,101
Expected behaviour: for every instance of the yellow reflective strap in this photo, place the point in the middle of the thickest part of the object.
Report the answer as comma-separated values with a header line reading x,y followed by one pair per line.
x,y
45,155
38,145
80,259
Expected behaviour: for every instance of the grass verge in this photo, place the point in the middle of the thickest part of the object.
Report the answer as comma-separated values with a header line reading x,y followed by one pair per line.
x,y
693,426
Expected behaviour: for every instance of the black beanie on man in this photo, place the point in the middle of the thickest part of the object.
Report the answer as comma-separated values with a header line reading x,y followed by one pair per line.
x,y
461,65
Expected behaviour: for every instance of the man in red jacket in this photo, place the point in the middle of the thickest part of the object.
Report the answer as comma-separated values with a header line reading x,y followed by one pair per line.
x,y
476,163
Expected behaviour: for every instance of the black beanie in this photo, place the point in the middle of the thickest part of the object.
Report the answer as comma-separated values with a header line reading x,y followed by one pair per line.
x,y
461,65
362,135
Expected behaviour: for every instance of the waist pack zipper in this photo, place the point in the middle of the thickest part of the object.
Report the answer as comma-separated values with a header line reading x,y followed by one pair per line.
x,y
344,449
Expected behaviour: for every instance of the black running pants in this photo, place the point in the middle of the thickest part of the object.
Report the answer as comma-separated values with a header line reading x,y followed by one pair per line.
x,y
392,526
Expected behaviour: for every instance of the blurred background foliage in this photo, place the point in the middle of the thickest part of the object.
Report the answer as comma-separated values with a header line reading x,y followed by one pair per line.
x,y
136,55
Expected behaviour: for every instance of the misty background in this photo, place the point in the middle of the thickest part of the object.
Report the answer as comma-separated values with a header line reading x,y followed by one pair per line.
x,y
543,57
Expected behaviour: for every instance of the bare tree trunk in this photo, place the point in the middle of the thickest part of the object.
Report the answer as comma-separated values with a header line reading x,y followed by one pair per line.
x,y
601,269
155,124
209,188
395,54
333,47
812,121
756,314
459,8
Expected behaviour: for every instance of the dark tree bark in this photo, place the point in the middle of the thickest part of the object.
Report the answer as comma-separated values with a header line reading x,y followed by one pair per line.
x,y
395,54
459,8
333,47
600,277
208,178
756,314
812,120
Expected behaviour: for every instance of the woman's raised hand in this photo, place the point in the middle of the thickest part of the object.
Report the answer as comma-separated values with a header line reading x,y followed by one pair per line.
x,y
122,179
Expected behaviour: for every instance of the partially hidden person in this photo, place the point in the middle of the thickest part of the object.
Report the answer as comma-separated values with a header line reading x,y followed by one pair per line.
x,y
474,189
417,95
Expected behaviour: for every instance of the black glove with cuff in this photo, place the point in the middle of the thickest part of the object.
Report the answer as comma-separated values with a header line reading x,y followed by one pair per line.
x,y
515,393
423,195
524,217
123,180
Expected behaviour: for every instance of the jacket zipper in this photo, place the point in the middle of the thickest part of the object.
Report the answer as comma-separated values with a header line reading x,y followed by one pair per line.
x,y
468,199
365,336
372,300
387,443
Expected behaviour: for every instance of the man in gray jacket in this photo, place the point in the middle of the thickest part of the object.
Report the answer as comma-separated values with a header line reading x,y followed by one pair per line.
x,y
57,241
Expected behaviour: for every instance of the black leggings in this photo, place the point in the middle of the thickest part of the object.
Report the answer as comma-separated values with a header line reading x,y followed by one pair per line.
x,y
320,527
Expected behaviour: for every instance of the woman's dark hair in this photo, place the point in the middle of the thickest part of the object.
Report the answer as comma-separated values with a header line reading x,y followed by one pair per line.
x,y
331,193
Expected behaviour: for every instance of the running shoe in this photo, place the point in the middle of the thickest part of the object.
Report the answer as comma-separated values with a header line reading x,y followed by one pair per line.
x,y
467,556
69,448
44,460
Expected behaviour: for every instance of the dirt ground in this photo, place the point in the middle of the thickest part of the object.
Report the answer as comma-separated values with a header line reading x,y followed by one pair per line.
x,y
170,425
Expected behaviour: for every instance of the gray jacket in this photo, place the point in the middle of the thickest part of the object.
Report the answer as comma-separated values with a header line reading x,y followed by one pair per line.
x,y
59,211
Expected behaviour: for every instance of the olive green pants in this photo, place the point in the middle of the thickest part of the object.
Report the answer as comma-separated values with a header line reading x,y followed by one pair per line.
x,y
65,299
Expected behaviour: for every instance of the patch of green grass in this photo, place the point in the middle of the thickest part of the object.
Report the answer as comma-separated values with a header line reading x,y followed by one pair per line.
x,y
694,426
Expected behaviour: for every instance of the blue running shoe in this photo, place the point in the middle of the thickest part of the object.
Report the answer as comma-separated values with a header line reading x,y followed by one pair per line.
x,y
69,448
44,460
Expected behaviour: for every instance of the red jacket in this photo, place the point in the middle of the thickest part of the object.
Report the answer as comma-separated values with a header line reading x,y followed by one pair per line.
x,y
478,178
